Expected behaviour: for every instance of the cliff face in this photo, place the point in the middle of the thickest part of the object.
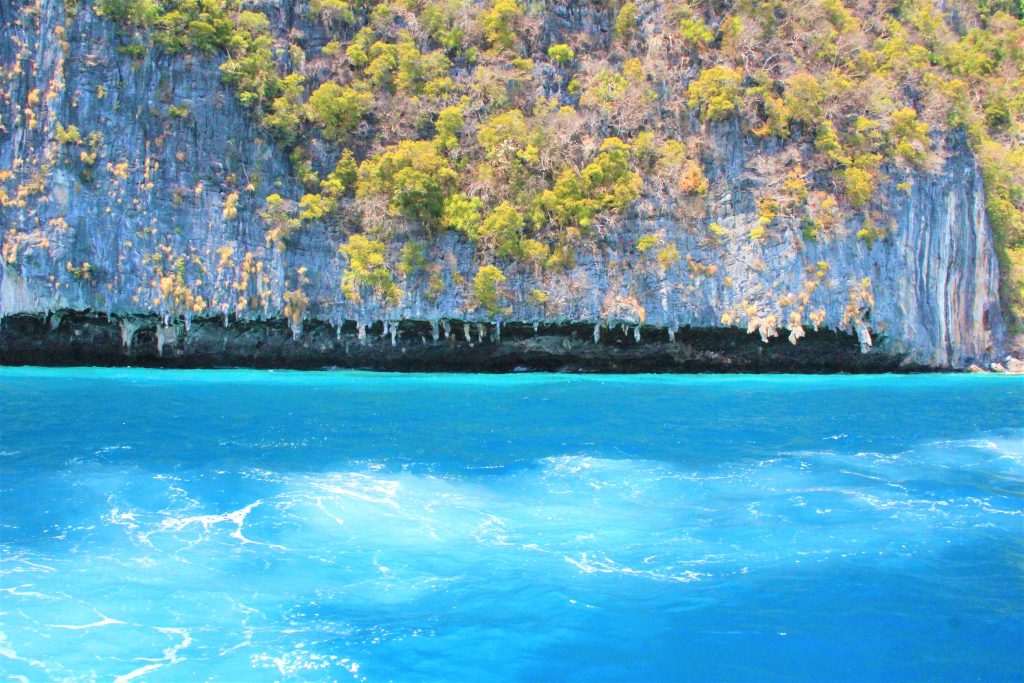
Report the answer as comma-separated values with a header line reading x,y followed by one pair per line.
x,y
156,210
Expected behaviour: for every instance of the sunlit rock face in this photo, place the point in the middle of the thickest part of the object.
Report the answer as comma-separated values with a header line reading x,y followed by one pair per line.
x,y
165,220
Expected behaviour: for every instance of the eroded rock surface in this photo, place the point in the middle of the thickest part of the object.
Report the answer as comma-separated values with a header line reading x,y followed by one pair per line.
x,y
142,234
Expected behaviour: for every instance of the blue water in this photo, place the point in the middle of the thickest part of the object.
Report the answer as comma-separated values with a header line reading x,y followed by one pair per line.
x,y
264,526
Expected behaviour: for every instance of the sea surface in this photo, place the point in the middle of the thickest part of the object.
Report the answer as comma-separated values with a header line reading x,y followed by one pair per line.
x,y
282,526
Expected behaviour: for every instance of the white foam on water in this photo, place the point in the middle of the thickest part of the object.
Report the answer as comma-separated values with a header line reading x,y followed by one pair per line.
x,y
300,661
8,652
208,522
170,655
16,590
312,554
605,565
105,621
361,487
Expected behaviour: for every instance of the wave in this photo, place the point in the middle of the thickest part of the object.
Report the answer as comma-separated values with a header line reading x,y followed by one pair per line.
x,y
277,571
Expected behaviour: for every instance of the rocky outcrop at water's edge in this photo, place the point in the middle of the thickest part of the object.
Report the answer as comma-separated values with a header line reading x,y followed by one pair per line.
x,y
72,338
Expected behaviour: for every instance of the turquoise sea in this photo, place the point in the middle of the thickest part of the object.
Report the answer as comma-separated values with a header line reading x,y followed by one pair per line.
x,y
282,526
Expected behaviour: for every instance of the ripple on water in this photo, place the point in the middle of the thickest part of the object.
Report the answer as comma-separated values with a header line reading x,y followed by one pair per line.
x,y
594,560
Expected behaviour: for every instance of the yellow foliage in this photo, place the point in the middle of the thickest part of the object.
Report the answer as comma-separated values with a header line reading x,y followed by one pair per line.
x,y
692,180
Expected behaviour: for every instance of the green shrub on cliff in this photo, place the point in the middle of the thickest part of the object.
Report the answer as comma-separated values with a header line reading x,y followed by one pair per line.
x,y
695,32
448,125
625,21
333,11
133,12
502,230
561,54
338,110
859,185
67,136
908,136
413,259
499,23
285,113
803,99
250,66
486,290
343,177
606,183
368,272
463,213
279,217
316,206
506,138
413,176
716,92
647,242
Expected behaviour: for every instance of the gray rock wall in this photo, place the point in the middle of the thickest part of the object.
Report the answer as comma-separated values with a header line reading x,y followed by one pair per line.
x,y
155,195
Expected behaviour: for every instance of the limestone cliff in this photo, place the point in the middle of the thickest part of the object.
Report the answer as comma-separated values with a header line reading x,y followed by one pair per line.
x,y
158,206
